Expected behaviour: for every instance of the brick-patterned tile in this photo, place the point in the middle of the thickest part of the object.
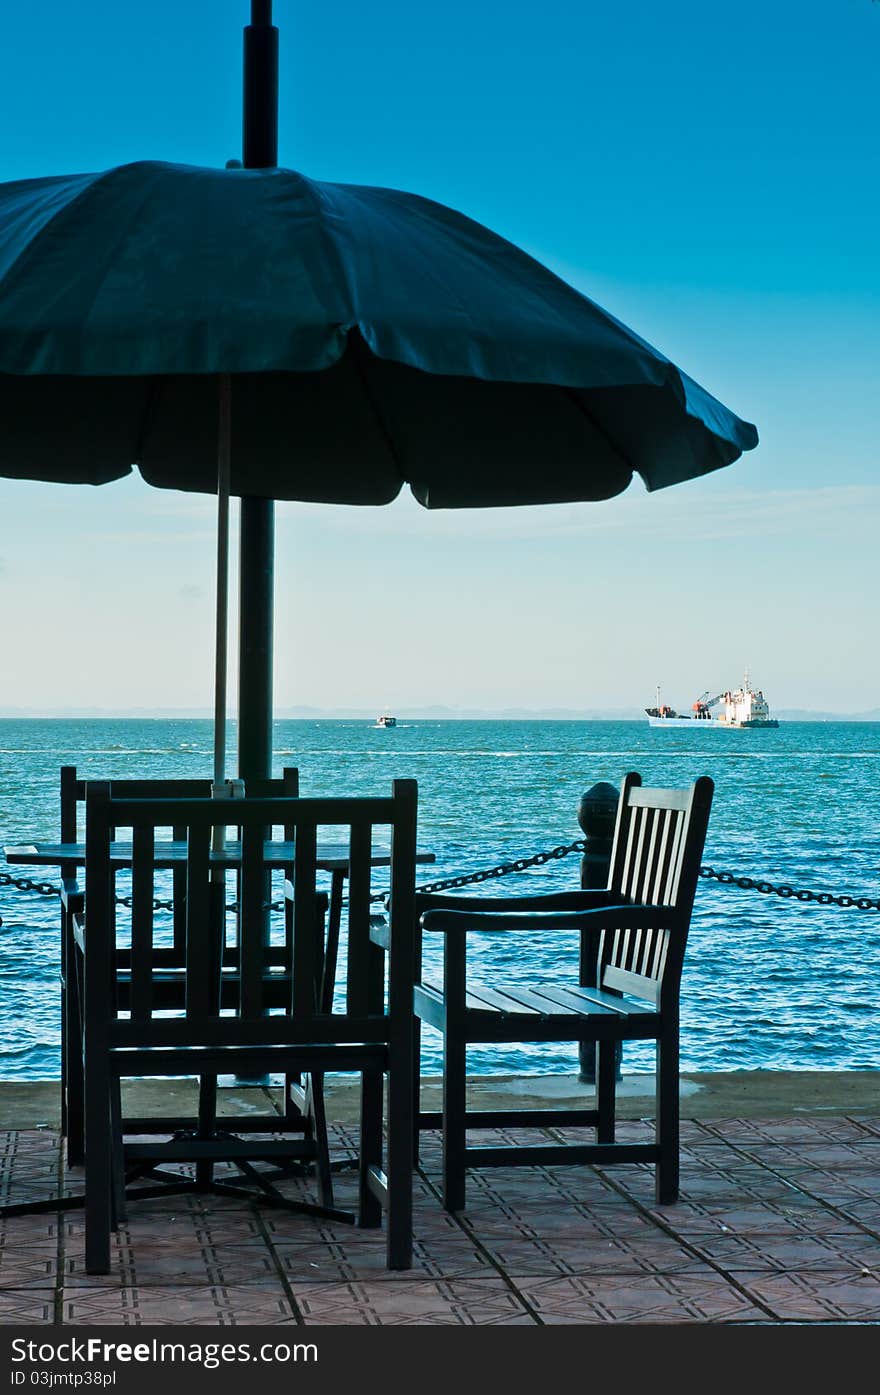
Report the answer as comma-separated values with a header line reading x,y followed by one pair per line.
x,y
203,1304
644,1299
22,1306
338,1262
406,1302
819,1297
597,1254
778,1221
28,1252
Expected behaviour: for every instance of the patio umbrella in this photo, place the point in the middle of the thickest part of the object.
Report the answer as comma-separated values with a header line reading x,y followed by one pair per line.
x,y
347,340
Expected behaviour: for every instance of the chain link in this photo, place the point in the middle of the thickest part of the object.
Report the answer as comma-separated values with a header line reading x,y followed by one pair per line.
x,y
789,893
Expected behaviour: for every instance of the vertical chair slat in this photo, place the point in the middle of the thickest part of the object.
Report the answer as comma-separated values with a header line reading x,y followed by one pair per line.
x,y
643,853
304,920
664,892
674,869
657,889
290,790
251,919
198,923
630,854
142,886
646,938
635,845
661,948
621,833
357,981
178,900
656,818
641,937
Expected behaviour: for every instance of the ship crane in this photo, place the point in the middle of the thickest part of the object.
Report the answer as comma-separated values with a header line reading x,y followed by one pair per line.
x,y
703,704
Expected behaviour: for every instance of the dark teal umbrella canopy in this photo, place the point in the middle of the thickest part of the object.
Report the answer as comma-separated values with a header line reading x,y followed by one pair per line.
x,y
373,338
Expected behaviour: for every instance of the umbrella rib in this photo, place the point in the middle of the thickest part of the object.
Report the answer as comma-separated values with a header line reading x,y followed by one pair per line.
x,y
571,394
357,349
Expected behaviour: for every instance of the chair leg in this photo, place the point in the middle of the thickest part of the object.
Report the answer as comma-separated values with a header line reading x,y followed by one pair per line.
x,y
73,1083
454,1120
207,1125
66,969
369,1205
416,1085
666,1185
606,1071
319,1127
400,1161
118,1214
99,1170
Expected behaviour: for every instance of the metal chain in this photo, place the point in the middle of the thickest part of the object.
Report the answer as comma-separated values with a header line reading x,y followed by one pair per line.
x,y
25,884
822,898
50,889
503,869
521,864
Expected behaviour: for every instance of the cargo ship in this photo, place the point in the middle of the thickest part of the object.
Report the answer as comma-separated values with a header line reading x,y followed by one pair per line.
x,y
740,709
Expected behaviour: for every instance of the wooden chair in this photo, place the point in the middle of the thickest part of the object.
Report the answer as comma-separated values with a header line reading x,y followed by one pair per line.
x,y
632,943
170,958
236,1023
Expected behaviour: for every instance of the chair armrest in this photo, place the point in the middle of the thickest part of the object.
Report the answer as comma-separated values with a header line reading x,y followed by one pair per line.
x,y
79,930
321,898
584,900
620,917
72,896
380,932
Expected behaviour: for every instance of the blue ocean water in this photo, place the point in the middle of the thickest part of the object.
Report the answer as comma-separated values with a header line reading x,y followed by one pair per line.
x,y
768,984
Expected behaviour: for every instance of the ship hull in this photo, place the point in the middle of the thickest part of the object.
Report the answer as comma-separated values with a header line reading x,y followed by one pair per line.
x,y
693,724
682,722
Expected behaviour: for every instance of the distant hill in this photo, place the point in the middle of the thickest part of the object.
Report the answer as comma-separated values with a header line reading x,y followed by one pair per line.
x,y
434,713
799,714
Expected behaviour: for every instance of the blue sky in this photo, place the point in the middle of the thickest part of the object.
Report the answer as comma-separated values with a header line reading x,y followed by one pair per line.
x,y
710,174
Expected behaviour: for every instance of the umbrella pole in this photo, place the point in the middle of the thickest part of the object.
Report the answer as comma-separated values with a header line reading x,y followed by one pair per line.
x,y
221,653
257,546
217,905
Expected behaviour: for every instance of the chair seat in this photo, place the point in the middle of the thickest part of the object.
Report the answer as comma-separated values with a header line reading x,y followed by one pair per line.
x,y
552,1012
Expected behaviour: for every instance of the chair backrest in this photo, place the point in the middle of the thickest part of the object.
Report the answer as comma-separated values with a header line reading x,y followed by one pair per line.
x,y
655,861
243,1008
73,799
73,792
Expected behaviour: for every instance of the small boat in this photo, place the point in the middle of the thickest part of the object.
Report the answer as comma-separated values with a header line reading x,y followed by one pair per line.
x,y
741,708
386,721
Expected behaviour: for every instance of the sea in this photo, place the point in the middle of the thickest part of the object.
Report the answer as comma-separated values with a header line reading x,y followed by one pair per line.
x,y
769,984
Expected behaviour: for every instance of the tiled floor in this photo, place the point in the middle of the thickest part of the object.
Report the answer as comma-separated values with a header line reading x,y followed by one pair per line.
x,y
779,1221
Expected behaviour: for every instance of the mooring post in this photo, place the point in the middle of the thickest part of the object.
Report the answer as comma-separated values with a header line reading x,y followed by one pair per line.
x,y
597,813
